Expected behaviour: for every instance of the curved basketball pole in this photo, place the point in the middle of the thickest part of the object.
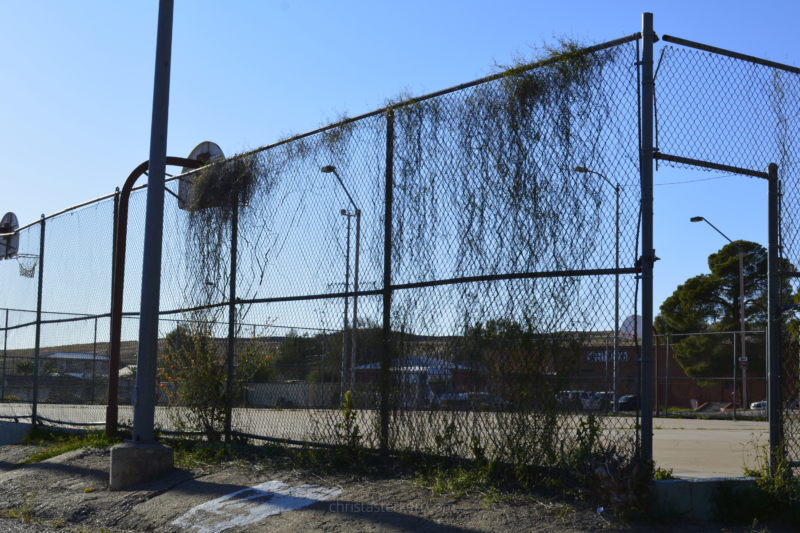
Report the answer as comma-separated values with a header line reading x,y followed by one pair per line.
x,y
118,278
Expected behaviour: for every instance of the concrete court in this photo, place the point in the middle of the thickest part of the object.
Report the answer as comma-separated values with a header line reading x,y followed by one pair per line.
x,y
706,448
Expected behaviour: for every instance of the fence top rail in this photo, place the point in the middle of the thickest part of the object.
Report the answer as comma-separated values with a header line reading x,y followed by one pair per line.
x,y
728,53
709,333
538,64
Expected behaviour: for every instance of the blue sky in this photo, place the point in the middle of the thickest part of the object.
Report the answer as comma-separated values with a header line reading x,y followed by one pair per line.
x,y
77,86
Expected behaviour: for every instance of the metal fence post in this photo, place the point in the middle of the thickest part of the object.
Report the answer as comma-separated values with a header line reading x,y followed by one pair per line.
x,y
386,347
5,351
774,323
38,326
648,253
735,362
232,314
94,357
666,383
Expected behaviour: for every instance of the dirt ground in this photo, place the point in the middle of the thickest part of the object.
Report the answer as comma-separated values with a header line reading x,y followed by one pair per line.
x,y
63,503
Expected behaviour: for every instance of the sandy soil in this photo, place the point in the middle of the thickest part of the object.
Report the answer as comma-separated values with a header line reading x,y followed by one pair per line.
x,y
371,505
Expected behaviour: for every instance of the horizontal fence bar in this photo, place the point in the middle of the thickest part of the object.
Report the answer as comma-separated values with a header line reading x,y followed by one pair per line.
x,y
13,417
729,378
709,333
63,423
377,292
282,441
712,166
728,53
44,312
529,275
787,274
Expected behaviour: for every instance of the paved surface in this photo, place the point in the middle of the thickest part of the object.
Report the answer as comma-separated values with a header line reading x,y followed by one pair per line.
x,y
707,448
692,448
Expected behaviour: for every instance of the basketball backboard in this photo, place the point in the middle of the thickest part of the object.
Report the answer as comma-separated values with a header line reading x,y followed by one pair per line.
x,y
9,245
206,152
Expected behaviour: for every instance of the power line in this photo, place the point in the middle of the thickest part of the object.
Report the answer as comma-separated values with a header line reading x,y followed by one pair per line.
x,y
692,181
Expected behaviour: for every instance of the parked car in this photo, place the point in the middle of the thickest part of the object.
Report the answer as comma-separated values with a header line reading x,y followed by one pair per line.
x,y
629,403
570,399
606,400
759,405
484,401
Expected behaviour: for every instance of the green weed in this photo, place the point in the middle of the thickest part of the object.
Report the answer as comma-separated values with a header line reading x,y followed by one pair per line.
x,y
54,443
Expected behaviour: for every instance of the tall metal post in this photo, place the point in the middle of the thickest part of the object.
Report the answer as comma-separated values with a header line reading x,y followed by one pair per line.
x,y
616,309
655,381
346,302
145,392
741,319
774,322
112,408
38,326
355,303
5,352
94,357
232,315
648,253
666,383
735,362
386,337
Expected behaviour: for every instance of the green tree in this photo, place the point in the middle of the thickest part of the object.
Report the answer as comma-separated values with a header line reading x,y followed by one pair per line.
x,y
291,361
710,302
24,367
48,367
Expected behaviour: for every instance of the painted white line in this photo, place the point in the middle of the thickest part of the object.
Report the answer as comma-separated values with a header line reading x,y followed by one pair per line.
x,y
251,505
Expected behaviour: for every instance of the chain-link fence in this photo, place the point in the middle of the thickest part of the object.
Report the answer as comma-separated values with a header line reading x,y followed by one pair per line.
x,y
449,273
720,110
737,391
492,228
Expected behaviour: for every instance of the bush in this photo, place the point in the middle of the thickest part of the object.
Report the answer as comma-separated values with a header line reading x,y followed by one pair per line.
x,y
194,377
64,397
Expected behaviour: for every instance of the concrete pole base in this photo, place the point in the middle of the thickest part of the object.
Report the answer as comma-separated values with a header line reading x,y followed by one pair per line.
x,y
133,463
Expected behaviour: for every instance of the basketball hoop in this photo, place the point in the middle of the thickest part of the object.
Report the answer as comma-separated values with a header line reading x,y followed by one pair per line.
x,y
27,264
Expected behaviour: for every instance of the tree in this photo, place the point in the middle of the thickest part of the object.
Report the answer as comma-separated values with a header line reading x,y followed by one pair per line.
x,y
24,367
711,303
292,359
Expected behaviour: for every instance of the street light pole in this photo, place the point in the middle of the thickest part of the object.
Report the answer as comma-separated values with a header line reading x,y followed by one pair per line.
x,y
741,308
331,169
346,301
584,170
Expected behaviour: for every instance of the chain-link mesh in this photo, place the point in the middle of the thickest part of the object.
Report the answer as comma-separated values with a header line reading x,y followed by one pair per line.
x,y
506,265
730,111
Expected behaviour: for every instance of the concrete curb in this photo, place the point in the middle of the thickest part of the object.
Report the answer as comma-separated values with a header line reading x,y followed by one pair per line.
x,y
693,498
13,432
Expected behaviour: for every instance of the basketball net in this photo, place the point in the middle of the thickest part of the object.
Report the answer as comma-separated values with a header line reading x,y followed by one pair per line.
x,y
27,264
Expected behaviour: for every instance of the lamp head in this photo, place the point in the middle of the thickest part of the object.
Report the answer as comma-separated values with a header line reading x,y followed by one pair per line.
x,y
344,212
696,219
582,170
327,169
